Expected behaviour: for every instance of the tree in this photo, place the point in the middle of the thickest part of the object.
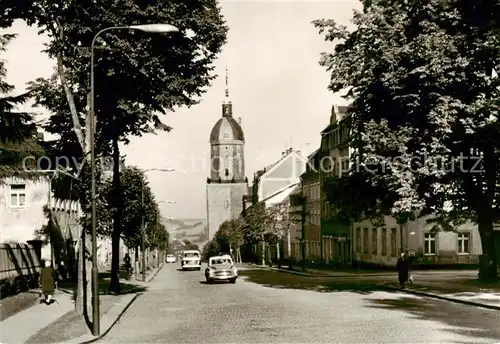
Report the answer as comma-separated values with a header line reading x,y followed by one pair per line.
x,y
17,129
424,111
210,249
188,245
259,226
281,221
231,234
134,82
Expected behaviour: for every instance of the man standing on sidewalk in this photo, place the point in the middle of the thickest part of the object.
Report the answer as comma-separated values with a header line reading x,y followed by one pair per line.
x,y
403,267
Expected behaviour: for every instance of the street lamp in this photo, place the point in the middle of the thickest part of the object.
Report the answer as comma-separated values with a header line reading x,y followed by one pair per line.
x,y
143,228
153,28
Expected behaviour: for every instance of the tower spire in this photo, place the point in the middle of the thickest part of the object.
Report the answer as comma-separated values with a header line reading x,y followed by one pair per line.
x,y
227,110
227,83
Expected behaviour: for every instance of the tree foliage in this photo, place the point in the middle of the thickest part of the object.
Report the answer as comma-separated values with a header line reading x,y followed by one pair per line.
x,y
18,130
424,110
135,190
138,76
230,234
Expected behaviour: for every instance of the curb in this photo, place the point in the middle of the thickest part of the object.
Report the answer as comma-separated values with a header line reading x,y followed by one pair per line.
x,y
443,298
95,339
156,273
114,322
88,338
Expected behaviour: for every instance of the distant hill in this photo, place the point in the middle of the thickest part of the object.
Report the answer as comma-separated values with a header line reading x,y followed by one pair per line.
x,y
186,229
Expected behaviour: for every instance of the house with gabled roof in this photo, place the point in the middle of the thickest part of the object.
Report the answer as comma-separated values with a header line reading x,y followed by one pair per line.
x,y
274,184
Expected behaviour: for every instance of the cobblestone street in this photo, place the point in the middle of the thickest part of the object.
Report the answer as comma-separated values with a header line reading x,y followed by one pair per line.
x,y
272,307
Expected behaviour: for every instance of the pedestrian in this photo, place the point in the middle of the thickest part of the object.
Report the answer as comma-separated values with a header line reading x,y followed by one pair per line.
x,y
127,260
403,268
62,271
47,282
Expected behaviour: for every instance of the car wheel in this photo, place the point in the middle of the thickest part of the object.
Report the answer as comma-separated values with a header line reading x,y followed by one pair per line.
x,y
232,280
209,281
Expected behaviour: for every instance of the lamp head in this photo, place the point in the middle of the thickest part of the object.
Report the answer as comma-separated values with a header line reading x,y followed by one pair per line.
x,y
155,28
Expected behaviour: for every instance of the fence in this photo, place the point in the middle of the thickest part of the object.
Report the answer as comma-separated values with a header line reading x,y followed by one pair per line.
x,y
19,268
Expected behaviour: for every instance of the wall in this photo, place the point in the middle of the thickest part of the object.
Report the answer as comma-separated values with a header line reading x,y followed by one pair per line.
x,y
230,156
285,172
411,237
224,202
24,223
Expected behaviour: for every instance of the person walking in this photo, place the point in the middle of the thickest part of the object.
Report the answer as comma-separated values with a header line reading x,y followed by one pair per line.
x,y
403,267
47,282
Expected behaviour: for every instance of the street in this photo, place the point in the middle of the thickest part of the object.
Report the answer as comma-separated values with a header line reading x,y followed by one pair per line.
x,y
271,307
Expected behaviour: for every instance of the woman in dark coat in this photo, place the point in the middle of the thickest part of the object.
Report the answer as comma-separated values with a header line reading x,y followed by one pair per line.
x,y
403,267
47,281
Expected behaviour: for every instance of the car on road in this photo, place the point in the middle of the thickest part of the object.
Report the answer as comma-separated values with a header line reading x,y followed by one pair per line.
x,y
171,258
221,268
191,260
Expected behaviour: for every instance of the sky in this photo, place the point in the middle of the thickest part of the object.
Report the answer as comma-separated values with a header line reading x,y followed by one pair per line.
x,y
276,86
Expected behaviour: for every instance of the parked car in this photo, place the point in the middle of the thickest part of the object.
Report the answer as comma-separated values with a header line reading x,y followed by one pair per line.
x,y
221,268
171,258
191,260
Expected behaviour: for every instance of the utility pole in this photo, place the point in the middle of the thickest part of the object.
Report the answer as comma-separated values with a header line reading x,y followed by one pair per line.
x,y
143,244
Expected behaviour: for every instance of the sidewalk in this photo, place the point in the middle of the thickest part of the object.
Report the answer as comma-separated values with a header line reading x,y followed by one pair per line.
x,y
59,323
459,286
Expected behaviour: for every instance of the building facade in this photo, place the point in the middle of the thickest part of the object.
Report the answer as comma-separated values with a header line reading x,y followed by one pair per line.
x,y
273,185
227,183
334,156
381,246
311,191
30,214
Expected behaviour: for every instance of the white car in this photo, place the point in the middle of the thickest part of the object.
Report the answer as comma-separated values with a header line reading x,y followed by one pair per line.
x,y
221,268
191,260
171,258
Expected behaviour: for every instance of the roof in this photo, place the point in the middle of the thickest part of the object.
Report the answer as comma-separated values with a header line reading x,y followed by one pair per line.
x,y
281,195
226,126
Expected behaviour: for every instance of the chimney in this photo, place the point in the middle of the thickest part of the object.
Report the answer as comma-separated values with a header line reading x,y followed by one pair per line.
x,y
333,117
298,152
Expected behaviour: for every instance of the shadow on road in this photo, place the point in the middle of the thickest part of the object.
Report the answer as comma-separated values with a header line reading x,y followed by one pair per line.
x,y
215,282
279,280
466,321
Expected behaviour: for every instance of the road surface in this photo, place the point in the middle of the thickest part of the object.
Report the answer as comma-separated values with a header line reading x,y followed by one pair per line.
x,y
271,307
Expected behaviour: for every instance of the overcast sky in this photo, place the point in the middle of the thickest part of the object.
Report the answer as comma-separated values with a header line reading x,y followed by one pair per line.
x,y
276,86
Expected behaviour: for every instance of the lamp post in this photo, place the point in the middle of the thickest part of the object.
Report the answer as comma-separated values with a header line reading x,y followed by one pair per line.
x,y
153,28
158,224
143,225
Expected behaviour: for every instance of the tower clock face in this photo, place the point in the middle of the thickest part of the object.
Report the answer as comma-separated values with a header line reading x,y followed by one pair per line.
x,y
226,135
226,204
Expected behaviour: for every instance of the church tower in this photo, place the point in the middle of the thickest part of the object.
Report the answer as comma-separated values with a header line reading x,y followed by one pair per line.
x,y
227,183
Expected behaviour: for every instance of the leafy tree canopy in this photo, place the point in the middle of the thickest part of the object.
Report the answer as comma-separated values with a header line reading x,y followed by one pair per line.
x,y
424,108
18,130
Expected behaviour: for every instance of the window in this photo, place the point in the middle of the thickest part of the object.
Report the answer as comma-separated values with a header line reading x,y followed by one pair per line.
x,y
463,243
393,242
365,240
374,241
429,243
358,239
384,241
17,195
